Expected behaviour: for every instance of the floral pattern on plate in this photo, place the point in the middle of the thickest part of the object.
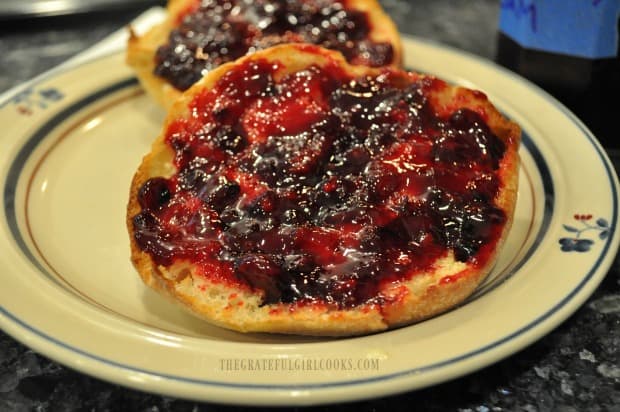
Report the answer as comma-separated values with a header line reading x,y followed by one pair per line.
x,y
29,99
576,243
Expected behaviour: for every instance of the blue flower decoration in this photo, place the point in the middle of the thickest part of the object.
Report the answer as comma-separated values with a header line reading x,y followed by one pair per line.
x,y
577,243
51,94
29,99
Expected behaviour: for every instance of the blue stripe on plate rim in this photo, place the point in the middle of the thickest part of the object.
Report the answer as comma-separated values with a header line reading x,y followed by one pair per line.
x,y
39,135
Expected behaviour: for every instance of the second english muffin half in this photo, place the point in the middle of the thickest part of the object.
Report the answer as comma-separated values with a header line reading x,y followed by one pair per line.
x,y
199,35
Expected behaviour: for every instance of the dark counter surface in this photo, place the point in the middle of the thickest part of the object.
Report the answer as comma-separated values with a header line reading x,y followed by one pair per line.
x,y
574,368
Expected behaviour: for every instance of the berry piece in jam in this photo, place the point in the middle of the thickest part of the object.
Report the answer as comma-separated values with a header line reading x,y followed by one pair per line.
x,y
260,272
364,185
154,193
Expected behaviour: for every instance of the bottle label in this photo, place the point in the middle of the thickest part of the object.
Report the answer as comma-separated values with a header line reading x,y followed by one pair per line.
x,y
584,28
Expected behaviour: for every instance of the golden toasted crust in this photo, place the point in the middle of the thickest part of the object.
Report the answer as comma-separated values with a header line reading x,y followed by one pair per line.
x,y
424,295
141,49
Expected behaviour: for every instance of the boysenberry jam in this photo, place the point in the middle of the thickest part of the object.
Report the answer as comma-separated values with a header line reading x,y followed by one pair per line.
x,y
219,31
320,187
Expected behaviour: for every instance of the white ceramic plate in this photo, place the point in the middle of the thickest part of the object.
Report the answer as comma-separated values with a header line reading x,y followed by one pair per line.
x,y
70,145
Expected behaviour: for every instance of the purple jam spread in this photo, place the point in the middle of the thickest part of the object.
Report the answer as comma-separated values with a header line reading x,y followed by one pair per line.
x,y
218,31
322,188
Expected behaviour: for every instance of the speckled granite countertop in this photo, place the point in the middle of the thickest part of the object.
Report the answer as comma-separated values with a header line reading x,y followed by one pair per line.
x,y
574,368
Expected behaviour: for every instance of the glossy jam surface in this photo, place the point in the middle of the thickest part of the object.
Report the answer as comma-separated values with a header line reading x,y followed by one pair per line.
x,y
322,188
218,31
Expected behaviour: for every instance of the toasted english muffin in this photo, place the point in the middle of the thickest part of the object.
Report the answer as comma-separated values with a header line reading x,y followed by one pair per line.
x,y
198,36
292,192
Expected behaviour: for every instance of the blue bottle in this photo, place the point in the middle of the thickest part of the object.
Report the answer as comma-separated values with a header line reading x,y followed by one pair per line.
x,y
571,49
